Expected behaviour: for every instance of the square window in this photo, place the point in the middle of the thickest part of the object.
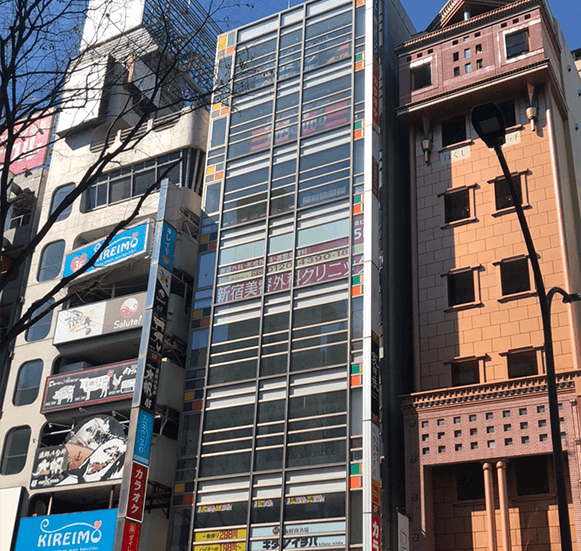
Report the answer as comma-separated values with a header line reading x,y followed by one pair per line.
x,y
468,68
479,64
506,413
507,428
425,451
467,53
458,447
517,43
540,409
456,205
425,437
465,373
522,411
524,426
508,441
489,430
441,435
489,415
502,196
515,277
456,71
461,290
522,364
456,420
440,422
524,440
472,418
457,433
453,131
542,423
478,48
473,432
421,76
425,424
441,449
543,437
490,443
455,56
473,445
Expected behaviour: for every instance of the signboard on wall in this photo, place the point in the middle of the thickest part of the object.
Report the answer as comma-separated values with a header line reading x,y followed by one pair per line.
x,y
100,318
124,245
94,530
90,386
93,451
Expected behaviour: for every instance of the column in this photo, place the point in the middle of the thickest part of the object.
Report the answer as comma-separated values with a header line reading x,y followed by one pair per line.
x,y
503,500
489,498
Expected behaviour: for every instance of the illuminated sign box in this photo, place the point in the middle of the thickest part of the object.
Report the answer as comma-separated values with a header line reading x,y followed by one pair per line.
x,y
100,318
94,530
126,244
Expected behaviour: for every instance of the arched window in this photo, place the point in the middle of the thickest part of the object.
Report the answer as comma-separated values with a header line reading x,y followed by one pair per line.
x,y
28,383
51,261
57,198
15,450
41,328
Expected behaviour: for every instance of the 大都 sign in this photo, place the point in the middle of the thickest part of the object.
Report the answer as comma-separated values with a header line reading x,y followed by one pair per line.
x,y
100,318
124,245
94,530
90,386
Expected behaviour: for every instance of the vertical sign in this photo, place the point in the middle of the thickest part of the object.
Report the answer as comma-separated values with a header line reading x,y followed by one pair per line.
x,y
134,488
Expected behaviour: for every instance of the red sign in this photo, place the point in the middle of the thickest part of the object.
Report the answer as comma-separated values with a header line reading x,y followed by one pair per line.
x,y
131,535
29,150
375,533
137,488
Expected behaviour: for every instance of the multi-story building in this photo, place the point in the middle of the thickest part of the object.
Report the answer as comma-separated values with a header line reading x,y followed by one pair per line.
x,y
479,470
89,422
296,341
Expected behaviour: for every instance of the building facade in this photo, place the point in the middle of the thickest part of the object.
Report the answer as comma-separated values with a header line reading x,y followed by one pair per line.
x,y
479,471
95,388
284,421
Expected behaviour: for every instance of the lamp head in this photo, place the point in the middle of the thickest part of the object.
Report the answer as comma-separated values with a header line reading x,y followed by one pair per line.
x,y
488,121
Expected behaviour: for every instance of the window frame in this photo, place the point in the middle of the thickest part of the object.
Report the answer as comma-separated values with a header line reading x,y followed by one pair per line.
x,y
522,181
464,361
7,445
19,390
531,291
471,191
539,360
477,302
42,267
514,32
59,194
416,68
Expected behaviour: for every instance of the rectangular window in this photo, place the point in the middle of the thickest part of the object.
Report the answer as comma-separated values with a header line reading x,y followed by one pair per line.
x,y
517,43
456,205
421,76
453,131
502,197
522,364
515,276
465,372
532,475
461,287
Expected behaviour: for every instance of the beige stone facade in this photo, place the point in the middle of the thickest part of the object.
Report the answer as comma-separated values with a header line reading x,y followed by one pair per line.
x,y
478,444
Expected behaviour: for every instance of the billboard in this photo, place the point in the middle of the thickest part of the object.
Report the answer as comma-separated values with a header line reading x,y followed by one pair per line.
x,y
30,147
94,530
100,318
93,451
90,386
124,245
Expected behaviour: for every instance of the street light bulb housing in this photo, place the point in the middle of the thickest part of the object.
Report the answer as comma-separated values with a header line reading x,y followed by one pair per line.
x,y
488,121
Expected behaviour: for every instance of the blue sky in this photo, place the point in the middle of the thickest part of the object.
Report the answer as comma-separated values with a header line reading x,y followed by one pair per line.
x,y
421,12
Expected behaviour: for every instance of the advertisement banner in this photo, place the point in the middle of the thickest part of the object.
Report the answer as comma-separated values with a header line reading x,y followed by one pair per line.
x,y
93,451
94,530
137,487
30,148
131,534
124,245
220,535
299,529
100,318
90,386
143,437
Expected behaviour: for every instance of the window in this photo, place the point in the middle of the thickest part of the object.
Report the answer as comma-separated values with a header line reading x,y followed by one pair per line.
x,y
453,131
28,383
456,205
469,481
508,111
502,196
421,76
51,261
517,43
57,198
515,276
461,287
532,475
15,450
465,372
41,328
522,364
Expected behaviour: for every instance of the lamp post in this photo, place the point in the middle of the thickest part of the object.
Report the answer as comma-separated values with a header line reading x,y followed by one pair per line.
x,y
488,121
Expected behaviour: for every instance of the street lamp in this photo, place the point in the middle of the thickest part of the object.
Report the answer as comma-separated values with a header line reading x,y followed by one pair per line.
x,y
488,121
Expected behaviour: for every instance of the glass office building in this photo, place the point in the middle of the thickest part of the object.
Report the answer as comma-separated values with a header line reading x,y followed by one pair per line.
x,y
280,442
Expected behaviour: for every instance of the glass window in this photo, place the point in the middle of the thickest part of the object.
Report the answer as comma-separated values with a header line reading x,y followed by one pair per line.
x,y
465,372
522,364
317,404
120,189
461,288
515,276
314,507
224,514
456,205
142,181
28,383
206,266
453,131
41,328
15,450
517,43
502,196
51,261
57,198
182,517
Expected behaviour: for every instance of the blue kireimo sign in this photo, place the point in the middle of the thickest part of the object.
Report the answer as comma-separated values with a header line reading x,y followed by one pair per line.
x,y
91,530
124,245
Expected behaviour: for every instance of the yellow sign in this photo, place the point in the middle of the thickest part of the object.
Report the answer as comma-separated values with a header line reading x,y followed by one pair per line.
x,y
218,535
233,546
